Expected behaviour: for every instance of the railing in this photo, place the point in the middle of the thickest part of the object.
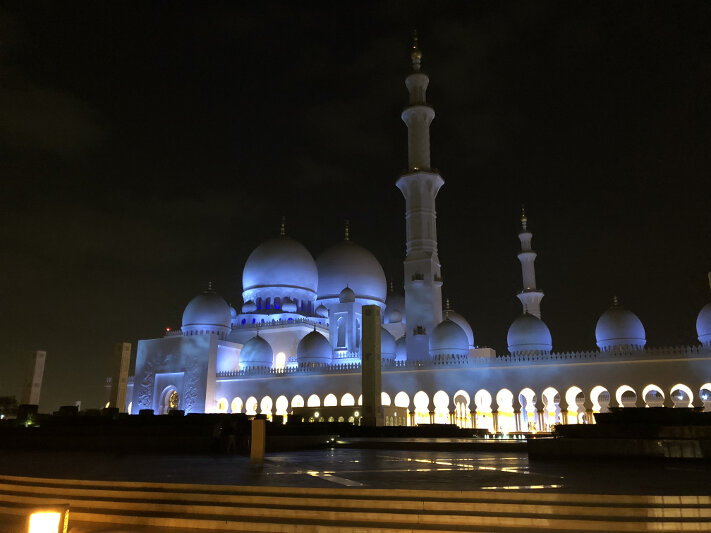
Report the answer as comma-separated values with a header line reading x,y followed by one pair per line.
x,y
464,361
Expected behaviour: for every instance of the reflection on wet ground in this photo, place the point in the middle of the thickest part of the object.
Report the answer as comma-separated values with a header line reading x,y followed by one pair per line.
x,y
374,469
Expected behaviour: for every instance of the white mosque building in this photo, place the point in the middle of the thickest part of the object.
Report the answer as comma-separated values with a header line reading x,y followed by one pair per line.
x,y
295,344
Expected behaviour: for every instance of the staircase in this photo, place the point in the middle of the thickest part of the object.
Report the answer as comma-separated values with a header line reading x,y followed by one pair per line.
x,y
98,504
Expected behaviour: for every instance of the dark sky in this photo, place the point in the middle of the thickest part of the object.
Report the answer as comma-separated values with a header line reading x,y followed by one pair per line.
x,y
148,147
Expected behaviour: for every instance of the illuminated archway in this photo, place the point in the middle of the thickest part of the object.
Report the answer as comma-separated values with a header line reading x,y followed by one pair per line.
x,y
529,419
313,401
600,398
280,360
347,400
236,405
222,405
282,405
251,406
297,401
360,400
705,395
681,395
441,407
265,407
551,403
422,410
505,416
626,396
653,396
330,401
482,400
385,399
575,398
461,408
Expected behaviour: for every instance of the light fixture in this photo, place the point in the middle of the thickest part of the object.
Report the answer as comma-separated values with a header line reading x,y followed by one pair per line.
x,y
53,519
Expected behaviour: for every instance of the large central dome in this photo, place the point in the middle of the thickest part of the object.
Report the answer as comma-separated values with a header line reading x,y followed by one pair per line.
x,y
280,262
347,264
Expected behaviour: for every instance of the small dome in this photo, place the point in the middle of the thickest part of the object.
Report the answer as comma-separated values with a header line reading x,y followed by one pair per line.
x,y
288,305
529,334
388,348
618,327
313,348
401,349
233,313
346,295
394,307
207,309
348,264
703,325
448,339
460,321
257,352
249,307
322,311
281,262
393,316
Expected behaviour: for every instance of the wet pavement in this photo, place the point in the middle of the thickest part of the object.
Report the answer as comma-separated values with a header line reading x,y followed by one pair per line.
x,y
375,469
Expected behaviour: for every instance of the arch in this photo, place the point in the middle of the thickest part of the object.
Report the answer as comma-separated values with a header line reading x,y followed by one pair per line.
x,y
277,302
653,396
330,400
678,399
313,401
482,400
280,360
529,419
705,395
626,396
251,405
505,416
402,400
267,303
265,406
600,398
297,401
222,405
236,405
422,408
551,403
169,399
130,406
575,398
461,409
360,400
385,399
347,400
441,407
282,405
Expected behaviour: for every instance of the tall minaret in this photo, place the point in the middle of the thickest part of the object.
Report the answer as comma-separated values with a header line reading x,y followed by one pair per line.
x,y
530,296
419,186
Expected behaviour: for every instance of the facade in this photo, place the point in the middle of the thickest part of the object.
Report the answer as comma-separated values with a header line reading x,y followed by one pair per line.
x,y
295,345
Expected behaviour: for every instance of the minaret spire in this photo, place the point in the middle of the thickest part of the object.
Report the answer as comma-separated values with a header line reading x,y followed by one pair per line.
x,y
282,230
419,185
530,296
347,232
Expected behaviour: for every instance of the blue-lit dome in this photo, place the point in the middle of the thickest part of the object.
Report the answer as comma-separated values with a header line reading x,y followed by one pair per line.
x,y
346,295
448,338
529,334
280,262
460,321
388,348
347,264
313,348
257,352
233,312
208,309
322,311
288,305
619,327
394,308
401,349
249,307
703,325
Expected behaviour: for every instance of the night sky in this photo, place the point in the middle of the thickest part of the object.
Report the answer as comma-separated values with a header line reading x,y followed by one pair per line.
x,y
146,148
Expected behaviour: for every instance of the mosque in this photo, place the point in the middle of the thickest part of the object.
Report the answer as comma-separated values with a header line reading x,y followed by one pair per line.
x,y
294,346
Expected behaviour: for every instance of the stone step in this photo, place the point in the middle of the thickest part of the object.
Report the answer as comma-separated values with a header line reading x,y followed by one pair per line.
x,y
305,509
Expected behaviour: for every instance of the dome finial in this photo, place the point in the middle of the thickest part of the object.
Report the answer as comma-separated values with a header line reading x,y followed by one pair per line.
x,y
710,280
282,230
209,286
524,219
615,302
347,232
416,55
392,287
447,306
